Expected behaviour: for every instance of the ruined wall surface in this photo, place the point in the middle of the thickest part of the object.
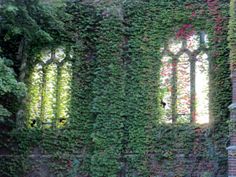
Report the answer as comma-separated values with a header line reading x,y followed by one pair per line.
x,y
191,157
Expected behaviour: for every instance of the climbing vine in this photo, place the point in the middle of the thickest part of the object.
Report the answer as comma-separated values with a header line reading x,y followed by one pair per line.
x,y
114,110
231,37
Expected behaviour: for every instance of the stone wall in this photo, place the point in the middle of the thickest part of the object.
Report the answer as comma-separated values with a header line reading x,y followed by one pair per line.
x,y
200,160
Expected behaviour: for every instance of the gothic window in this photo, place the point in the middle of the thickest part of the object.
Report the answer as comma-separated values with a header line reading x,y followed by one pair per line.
x,y
184,79
49,90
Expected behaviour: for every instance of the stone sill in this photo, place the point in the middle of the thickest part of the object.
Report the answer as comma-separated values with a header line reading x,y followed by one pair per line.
x,y
231,148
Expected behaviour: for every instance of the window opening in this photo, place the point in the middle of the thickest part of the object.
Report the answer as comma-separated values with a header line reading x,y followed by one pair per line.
x,y
50,90
185,80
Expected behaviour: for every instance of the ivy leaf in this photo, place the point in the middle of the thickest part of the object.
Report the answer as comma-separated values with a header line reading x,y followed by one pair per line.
x,y
12,9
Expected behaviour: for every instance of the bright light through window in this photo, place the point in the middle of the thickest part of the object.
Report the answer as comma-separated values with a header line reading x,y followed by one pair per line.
x,y
50,90
202,88
185,80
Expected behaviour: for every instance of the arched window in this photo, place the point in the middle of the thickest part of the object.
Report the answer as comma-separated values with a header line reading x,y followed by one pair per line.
x,y
50,90
185,79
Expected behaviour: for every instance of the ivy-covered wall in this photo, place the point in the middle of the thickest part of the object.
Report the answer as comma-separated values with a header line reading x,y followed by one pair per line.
x,y
115,126
220,84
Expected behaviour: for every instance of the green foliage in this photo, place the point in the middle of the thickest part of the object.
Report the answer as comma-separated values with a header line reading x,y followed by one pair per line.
x,y
83,26
220,84
4,113
141,84
174,138
231,34
108,102
9,84
37,23
149,26
114,111
25,25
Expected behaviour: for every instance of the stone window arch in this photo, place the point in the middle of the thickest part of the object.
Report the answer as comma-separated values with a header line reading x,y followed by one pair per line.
x,y
185,79
50,90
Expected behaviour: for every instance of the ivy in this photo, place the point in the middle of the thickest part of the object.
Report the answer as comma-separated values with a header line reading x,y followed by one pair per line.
x,y
8,82
107,105
114,122
231,34
8,86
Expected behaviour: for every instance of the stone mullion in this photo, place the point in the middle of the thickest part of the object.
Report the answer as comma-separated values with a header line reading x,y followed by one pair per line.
x,y
22,56
57,116
174,90
53,60
193,89
42,107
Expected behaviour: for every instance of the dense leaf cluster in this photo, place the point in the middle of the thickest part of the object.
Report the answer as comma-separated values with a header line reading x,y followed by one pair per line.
x,y
115,110
9,85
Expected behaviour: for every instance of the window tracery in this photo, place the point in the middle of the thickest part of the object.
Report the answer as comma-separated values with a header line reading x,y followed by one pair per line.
x,y
49,92
184,79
